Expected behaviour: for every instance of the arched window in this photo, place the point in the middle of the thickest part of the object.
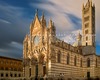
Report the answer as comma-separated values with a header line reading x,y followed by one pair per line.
x,y
81,62
68,59
88,62
75,61
59,57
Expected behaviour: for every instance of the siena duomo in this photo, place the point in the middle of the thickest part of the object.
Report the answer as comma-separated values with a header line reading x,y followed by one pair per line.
x,y
46,55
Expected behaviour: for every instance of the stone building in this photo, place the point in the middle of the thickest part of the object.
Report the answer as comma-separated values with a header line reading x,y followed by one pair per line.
x,y
10,68
45,54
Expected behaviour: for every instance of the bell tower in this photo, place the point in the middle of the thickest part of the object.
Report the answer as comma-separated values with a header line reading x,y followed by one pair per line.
x,y
88,24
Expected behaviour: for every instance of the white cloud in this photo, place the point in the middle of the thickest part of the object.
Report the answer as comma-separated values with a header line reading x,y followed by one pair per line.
x,y
14,50
16,45
71,38
4,21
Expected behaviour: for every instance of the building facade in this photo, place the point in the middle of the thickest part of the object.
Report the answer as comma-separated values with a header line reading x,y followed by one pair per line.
x,y
45,54
10,68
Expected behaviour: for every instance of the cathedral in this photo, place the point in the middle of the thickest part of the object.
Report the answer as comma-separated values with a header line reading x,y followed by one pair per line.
x,y
46,55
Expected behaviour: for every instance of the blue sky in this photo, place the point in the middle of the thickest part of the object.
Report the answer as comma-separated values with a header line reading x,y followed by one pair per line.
x,y
16,16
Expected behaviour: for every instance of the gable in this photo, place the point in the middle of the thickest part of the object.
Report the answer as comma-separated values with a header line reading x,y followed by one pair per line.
x,y
36,24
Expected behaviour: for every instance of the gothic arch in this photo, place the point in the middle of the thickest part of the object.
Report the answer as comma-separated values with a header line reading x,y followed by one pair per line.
x,y
41,58
34,60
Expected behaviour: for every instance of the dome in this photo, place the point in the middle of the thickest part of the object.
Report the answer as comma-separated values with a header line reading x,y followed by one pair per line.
x,y
77,43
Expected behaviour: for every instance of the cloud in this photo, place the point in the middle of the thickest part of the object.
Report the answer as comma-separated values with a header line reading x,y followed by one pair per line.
x,y
15,20
13,49
67,14
71,38
13,27
63,13
4,21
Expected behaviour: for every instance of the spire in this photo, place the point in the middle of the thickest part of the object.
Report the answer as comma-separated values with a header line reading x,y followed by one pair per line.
x,y
93,5
79,36
36,13
53,26
90,0
42,17
83,6
43,21
50,23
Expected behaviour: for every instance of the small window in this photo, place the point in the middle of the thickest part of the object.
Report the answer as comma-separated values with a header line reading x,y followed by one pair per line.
x,y
88,62
96,63
59,60
75,61
6,74
86,43
86,18
2,75
11,75
86,25
86,31
68,59
19,75
15,75
29,72
81,62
